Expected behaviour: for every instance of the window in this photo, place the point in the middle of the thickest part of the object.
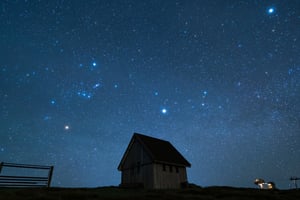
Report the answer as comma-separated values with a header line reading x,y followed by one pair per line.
x,y
171,169
164,167
177,170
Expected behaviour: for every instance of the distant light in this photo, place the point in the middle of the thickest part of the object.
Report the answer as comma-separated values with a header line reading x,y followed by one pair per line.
x,y
164,111
116,86
270,186
94,64
52,102
156,93
67,127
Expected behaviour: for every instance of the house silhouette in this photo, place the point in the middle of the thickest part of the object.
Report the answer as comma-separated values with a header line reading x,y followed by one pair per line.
x,y
153,164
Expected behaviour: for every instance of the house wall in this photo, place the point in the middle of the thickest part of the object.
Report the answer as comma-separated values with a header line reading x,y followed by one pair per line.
x,y
169,178
137,168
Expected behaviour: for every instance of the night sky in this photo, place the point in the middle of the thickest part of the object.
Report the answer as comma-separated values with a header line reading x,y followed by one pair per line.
x,y
219,79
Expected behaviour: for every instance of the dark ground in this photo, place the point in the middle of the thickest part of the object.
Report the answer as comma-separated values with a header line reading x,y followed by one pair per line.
x,y
209,193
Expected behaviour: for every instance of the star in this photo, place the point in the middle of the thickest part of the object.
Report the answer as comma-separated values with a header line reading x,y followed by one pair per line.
x,y
164,111
96,85
85,94
67,127
271,10
47,117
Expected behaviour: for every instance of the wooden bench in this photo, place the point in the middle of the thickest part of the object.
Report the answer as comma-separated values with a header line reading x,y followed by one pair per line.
x,y
9,180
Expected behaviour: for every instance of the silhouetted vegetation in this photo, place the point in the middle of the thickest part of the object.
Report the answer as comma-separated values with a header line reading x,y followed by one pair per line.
x,y
211,193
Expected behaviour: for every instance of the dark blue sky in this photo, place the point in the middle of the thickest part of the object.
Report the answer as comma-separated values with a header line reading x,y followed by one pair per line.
x,y
218,79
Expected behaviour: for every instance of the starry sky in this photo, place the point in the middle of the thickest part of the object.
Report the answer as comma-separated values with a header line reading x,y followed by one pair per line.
x,y
218,79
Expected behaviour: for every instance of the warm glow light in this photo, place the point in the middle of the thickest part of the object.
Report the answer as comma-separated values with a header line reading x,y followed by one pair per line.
x,y
270,186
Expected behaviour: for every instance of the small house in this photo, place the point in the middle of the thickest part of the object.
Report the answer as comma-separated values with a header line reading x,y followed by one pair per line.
x,y
153,164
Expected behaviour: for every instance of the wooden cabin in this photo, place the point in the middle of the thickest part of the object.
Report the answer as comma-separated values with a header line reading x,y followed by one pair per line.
x,y
153,164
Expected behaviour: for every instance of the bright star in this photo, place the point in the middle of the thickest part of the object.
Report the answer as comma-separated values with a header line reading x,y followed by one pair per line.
x,y
67,127
94,64
164,111
271,10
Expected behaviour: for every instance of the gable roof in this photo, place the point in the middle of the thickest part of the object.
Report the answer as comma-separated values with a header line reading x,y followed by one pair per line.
x,y
160,151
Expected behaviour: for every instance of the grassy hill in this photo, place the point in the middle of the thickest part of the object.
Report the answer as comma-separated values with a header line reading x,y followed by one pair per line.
x,y
114,193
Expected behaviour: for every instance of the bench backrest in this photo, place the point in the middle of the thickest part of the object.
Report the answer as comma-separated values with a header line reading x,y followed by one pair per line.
x,y
11,180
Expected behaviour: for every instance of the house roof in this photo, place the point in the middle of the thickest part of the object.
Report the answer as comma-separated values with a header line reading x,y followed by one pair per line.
x,y
160,151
